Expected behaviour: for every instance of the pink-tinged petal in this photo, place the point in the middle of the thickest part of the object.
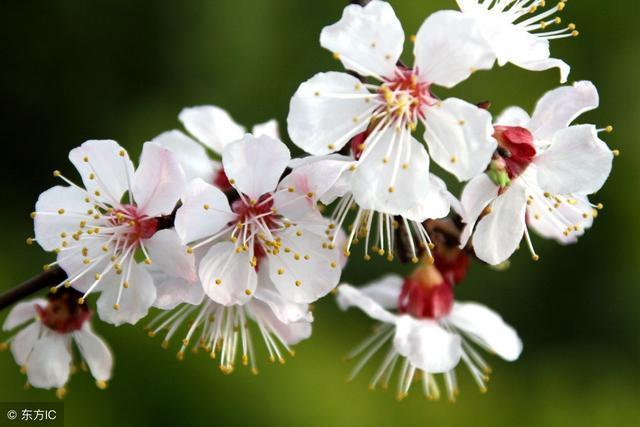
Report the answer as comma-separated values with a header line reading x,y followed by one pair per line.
x,y
192,156
284,310
95,353
576,162
269,128
172,291
158,182
327,111
477,194
303,270
574,211
392,174
212,126
436,204
291,333
498,234
49,363
384,291
348,296
24,341
557,109
22,312
204,212
367,40
487,328
169,255
134,302
513,116
255,165
449,48
227,276
427,345
459,137
105,168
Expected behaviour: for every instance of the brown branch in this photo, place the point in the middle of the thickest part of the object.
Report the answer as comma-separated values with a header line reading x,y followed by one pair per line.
x,y
44,280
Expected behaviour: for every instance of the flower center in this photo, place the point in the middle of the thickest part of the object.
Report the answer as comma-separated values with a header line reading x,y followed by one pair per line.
x,y
63,313
255,223
134,226
405,96
515,149
426,294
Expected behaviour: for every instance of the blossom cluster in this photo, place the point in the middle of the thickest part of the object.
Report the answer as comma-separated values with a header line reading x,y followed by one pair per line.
x,y
228,238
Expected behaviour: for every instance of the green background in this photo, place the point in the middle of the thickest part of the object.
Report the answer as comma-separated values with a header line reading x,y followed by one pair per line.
x,y
74,70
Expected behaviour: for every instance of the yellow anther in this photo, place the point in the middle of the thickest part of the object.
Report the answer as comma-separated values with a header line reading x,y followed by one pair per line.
x,y
298,283
116,307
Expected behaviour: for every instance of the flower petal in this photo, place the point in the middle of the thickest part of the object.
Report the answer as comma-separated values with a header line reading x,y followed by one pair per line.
x,y
135,301
227,276
284,310
392,174
211,125
557,109
105,168
427,345
487,327
158,182
24,341
49,363
172,291
22,312
477,194
348,296
449,48
543,65
170,255
204,212
192,156
269,128
498,234
384,291
459,137
303,270
291,333
575,212
436,204
513,116
367,40
255,165
95,352
576,162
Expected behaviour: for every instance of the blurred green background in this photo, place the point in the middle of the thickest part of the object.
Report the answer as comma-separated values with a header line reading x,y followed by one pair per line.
x,y
74,70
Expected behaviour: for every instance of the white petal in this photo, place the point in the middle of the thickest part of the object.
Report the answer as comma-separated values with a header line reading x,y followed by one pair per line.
x,y
211,125
459,136
436,204
553,224
307,271
172,291
545,64
498,234
427,346
135,301
381,183
192,156
513,116
368,39
24,341
576,162
449,48
384,291
326,112
95,352
22,312
255,164
291,333
227,276
49,363
49,228
477,194
170,255
286,311
269,128
557,109
103,168
205,211
487,327
348,296
158,182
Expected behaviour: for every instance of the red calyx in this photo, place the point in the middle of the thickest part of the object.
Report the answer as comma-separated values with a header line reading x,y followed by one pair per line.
x,y
221,181
63,313
357,144
143,227
515,147
426,294
453,264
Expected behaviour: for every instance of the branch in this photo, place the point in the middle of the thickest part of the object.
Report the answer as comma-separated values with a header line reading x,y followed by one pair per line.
x,y
44,280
